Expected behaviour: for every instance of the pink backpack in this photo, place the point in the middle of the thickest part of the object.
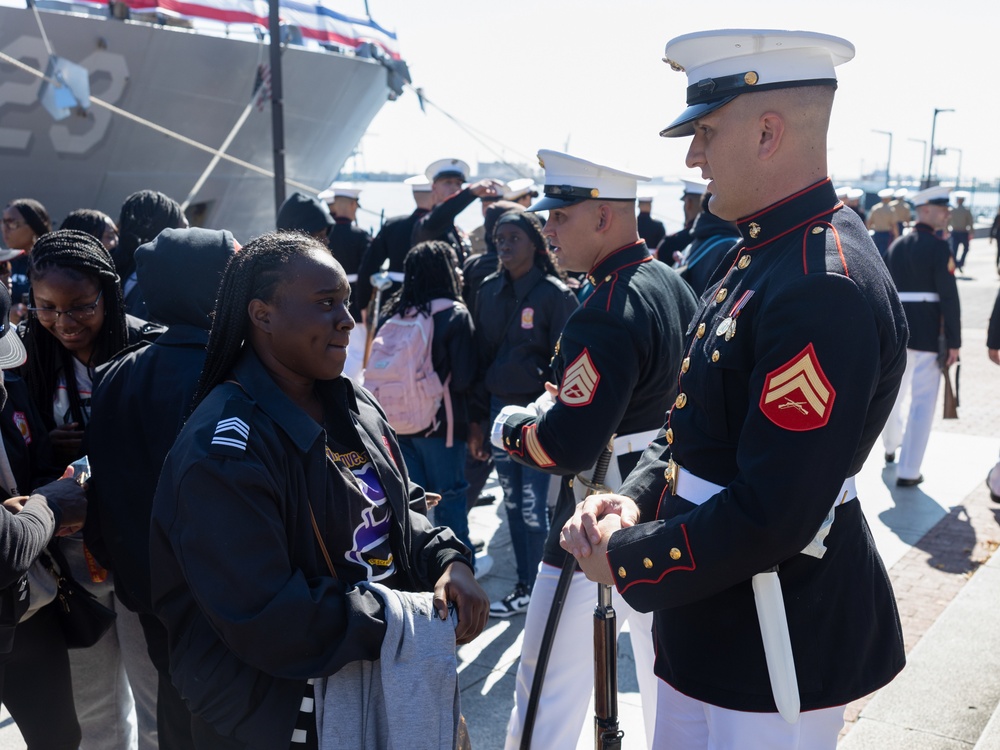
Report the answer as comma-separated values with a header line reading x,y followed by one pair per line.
x,y
401,376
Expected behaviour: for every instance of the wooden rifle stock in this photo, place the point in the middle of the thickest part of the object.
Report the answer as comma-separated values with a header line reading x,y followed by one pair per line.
x,y
950,394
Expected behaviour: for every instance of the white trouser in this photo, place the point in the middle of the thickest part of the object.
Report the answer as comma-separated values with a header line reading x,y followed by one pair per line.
x,y
683,723
569,679
922,379
354,365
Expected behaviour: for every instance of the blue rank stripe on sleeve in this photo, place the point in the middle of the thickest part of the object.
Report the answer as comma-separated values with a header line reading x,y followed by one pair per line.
x,y
233,429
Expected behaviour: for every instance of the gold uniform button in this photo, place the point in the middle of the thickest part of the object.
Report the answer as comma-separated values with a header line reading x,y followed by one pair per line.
x,y
744,262
681,400
818,230
715,356
647,563
621,572
607,279
685,365
571,482
701,330
670,436
666,474
675,554
507,440
721,295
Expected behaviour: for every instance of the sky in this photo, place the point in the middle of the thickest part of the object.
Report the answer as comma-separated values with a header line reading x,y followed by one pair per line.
x,y
586,76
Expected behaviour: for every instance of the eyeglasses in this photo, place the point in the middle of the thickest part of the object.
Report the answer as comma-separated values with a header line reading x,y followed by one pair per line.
x,y
79,314
12,224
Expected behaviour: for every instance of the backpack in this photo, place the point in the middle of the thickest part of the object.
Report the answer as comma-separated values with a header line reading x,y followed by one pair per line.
x,y
401,376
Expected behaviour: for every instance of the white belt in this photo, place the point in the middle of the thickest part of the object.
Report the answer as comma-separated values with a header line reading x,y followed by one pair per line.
x,y
396,276
352,278
637,441
919,297
697,490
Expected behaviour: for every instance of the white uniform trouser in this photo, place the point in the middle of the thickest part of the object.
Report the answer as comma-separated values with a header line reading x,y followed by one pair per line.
x,y
922,379
354,365
569,679
683,723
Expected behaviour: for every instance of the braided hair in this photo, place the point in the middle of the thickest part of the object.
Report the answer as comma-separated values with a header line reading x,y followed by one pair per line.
x,y
253,273
87,220
144,215
81,257
428,273
34,215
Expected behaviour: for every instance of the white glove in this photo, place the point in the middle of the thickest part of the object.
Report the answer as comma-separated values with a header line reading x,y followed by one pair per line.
x,y
496,434
543,403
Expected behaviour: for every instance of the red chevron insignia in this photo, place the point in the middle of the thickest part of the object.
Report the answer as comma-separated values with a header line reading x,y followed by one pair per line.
x,y
579,381
797,396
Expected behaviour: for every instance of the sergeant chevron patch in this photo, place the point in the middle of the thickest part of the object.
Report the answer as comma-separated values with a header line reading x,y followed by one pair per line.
x,y
233,429
579,381
797,396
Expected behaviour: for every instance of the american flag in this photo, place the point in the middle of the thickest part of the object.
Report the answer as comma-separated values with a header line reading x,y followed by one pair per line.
x,y
262,86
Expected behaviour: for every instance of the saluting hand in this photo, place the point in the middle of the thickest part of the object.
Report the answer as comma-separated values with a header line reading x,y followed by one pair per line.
x,y
459,586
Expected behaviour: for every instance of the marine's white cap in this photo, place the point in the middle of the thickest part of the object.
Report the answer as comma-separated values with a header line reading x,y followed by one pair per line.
x,y
886,193
645,194
418,183
935,196
842,192
962,195
519,188
694,187
855,193
340,190
447,168
901,193
570,179
724,63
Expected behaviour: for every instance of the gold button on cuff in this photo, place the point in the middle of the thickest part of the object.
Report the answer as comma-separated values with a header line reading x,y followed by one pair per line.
x,y
647,563
715,356
506,440
675,554
701,330
685,365
571,482
670,436
681,400
621,572
744,262
720,296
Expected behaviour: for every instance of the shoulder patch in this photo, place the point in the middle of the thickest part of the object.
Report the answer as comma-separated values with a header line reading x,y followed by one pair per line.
x,y
233,429
579,381
797,396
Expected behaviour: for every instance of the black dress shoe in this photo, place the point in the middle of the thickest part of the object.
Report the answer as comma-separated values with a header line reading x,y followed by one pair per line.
x,y
890,458
901,482
485,499
993,496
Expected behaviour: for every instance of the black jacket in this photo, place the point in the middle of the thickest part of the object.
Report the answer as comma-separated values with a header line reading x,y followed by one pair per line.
x,y
779,414
712,237
392,242
651,230
615,364
517,326
439,224
348,244
920,261
237,575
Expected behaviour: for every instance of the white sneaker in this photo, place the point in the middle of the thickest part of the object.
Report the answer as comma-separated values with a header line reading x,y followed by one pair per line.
x,y
484,564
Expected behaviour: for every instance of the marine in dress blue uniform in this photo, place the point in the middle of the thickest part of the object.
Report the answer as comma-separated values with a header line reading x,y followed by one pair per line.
x,y
792,364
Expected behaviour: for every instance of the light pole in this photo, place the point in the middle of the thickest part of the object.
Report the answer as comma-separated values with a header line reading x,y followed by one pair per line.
x,y
930,160
923,159
889,157
958,173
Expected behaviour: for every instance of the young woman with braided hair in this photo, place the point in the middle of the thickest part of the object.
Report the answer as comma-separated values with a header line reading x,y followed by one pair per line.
x,y
144,215
76,322
434,462
24,221
284,512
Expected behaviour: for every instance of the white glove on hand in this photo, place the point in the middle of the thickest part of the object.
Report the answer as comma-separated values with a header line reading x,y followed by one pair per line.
x,y
496,434
543,403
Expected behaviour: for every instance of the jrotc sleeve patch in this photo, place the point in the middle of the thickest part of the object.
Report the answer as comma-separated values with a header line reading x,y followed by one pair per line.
x,y
233,429
797,396
579,381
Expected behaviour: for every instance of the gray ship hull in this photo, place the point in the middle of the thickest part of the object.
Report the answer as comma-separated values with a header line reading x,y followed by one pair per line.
x,y
191,83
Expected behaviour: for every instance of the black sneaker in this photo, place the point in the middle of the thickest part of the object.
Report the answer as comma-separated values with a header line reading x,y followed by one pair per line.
x,y
514,603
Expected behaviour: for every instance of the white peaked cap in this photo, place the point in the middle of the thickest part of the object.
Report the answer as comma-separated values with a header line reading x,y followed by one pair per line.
x,y
886,193
447,168
518,188
418,183
724,63
340,190
694,187
937,196
570,179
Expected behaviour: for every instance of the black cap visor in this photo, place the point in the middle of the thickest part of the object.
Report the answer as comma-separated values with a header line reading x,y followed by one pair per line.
x,y
683,125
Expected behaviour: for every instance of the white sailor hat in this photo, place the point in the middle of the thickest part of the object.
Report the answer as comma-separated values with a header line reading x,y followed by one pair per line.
x,y
886,193
519,188
901,193
447,168
340,190
418,183
570,180
724,63
694,187
934,196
